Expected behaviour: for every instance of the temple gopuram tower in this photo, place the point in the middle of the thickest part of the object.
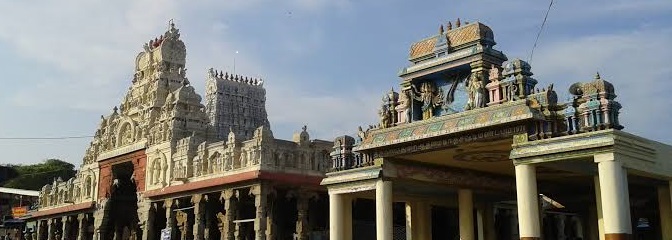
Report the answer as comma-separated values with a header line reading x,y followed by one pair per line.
x,y
234,103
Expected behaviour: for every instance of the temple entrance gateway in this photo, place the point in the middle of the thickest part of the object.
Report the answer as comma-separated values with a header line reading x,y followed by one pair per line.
x,y
123,204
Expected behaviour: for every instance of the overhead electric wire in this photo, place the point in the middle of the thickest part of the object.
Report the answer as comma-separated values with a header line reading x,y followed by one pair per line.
x,y
44,138
543,23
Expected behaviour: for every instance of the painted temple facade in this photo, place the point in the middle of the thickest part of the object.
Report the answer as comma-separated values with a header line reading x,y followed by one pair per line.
x,y
471,147
165,164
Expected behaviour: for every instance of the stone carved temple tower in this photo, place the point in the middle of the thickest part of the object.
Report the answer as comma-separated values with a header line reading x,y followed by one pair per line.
x,y
234,103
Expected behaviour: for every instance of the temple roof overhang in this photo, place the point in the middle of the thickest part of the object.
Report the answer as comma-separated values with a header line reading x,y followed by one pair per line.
x,y
640,155
440,132
452,60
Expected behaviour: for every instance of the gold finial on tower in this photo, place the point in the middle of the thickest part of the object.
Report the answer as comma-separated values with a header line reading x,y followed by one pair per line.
x,y
449,26
597,75
457,23
441,29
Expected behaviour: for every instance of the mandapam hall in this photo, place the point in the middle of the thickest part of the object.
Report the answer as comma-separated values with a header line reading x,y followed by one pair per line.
x,y
472,147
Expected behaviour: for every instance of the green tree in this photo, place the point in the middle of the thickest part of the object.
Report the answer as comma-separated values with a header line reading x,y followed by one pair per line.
x,y
34,176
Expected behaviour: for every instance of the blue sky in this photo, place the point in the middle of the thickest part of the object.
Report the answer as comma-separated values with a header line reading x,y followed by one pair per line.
x,y
325,63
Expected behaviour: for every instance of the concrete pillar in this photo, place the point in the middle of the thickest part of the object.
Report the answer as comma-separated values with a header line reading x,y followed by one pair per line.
x,y
528,202
336,209
615,198
261,203
169,204
199,216
480,228
412,221
466,214
384,227
81,233
489,222
347,217
665,209
598,208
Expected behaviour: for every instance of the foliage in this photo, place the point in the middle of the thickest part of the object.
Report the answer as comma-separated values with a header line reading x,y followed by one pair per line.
x,y
34,176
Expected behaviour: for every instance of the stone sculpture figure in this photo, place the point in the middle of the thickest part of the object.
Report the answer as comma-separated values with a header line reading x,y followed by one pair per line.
x,y
403,109
476,92
429,98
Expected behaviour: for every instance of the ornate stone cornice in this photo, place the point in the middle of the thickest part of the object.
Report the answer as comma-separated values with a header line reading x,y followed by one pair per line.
x,y
450,124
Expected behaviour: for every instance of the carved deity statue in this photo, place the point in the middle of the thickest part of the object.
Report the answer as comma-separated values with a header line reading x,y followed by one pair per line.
x,y
476,92
385,118
430,98
403,109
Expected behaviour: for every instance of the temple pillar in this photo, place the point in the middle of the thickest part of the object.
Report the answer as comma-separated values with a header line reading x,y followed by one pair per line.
x,y
347,217
169,204
615,197
81,233
51,229
261,203
528,202
336,210
384,228
489,222
148,232
199,215
226,219
302,216
466,214
41,230
598,208
66,225
665,209
418,221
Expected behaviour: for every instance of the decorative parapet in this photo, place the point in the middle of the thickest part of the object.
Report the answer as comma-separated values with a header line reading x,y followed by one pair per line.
x,y
79,189
224,76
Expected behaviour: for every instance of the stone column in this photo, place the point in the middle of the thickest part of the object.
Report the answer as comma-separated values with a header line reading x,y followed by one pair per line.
x,y
41,229
261,203
488,222
199,215
480,228
665,211
148,231
466,214
65,224
51,229
81,233
347,217
578,226
302,216
384,228
598,208
615,197
528,202
169,204
336,209
418,221
227,227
